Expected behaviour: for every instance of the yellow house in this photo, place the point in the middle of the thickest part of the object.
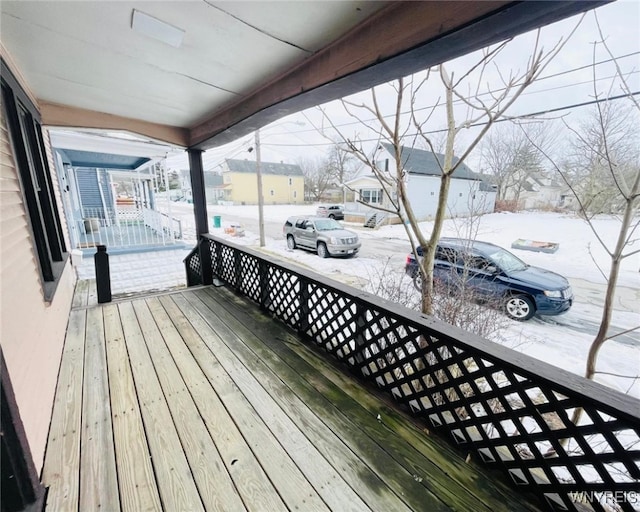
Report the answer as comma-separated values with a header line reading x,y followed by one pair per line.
x,y
281,183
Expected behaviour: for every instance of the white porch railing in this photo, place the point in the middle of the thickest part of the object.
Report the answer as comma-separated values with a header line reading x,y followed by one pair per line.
x,y
126,226
161,223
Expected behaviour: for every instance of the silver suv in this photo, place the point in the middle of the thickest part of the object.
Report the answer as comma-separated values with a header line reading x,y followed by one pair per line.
x,y
333,211
324,235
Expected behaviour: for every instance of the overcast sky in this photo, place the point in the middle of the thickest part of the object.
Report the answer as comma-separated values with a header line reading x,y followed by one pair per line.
x,y
570,81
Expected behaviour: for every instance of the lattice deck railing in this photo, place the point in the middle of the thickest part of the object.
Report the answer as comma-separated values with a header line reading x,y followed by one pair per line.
x,y
511,410
193,267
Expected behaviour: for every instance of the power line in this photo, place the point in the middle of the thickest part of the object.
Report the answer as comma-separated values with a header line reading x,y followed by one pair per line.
x,y
575,105
244,144
475,125
560,73
586,66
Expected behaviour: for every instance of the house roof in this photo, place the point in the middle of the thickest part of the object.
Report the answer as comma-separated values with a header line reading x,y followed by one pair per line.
x,y
419,161
427,163
240,65
276,169
103,160
91,149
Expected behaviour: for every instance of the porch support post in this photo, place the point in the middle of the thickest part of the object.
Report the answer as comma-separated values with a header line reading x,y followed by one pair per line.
x,y
200,212
198,191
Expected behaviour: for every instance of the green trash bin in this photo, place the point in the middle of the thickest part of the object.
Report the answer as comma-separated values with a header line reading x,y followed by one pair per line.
x,y
216,221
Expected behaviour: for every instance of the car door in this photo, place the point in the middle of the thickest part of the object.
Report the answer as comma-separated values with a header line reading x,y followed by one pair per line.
x,y
306,234
445,272
484,277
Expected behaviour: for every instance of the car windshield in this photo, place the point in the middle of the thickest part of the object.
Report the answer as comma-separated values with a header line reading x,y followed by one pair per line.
x,y
507,261
327,225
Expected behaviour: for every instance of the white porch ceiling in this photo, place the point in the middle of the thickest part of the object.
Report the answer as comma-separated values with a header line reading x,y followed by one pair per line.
x,y
89,57
242,64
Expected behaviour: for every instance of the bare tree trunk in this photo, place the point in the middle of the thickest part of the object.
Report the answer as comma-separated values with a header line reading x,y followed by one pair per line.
x,y
429,252
616,259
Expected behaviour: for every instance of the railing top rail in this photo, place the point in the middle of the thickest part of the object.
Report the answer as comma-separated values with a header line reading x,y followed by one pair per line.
x,y
572,385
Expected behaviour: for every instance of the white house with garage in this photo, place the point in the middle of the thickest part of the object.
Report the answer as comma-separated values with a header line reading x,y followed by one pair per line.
x,y
469,193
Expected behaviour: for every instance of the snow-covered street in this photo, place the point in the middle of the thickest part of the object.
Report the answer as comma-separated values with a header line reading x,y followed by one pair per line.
x,y
560,340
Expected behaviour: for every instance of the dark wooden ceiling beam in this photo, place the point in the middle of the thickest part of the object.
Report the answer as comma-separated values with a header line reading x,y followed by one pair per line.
x,y
401,38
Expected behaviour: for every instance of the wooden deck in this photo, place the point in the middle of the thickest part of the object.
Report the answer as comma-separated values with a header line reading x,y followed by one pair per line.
x,y
195,400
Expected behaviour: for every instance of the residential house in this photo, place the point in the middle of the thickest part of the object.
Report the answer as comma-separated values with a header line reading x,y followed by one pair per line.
x,y
536,191
469,192
214,187
107,188
281,183
118,66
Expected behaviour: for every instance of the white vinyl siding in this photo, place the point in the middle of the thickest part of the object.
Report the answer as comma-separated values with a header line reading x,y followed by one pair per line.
x,y
32,330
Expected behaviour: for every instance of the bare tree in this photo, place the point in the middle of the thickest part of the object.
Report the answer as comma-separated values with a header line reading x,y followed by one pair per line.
x,y
317,177
408,123
604,139
607,148
340,163
512,160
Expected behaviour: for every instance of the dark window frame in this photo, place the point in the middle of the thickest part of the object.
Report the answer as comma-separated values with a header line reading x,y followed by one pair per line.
x,y
36,183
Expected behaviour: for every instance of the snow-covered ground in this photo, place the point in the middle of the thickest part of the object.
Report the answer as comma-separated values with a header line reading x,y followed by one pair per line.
x,y
562,341
575,258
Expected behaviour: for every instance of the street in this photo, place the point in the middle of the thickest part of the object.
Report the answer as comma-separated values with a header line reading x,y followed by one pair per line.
x,y
582,319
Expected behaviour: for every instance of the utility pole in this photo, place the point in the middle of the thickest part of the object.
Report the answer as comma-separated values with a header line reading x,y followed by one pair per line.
x,y
259,177
260,197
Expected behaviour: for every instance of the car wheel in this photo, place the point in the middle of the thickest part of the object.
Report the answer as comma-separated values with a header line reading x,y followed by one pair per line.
x,y
291,243
519,307
417,280
322,250
332,216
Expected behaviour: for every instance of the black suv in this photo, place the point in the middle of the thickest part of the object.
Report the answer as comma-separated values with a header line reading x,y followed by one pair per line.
x,y
494,273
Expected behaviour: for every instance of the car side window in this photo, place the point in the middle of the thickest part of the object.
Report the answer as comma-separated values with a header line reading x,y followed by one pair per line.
x,y
479,263
446,254
300,223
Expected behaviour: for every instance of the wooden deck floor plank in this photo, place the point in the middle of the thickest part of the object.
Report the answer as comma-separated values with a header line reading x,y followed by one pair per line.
x,y
92,293
216,487
321,452
437,465
80,294
242,430
143,383
136,480
415,490
62,458
487,486
175,481
98,482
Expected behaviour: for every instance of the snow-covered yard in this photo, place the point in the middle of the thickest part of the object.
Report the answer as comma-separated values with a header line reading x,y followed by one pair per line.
x,y
562,341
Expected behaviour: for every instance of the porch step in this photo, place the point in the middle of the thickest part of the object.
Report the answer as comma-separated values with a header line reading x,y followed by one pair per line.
x,y
373,220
